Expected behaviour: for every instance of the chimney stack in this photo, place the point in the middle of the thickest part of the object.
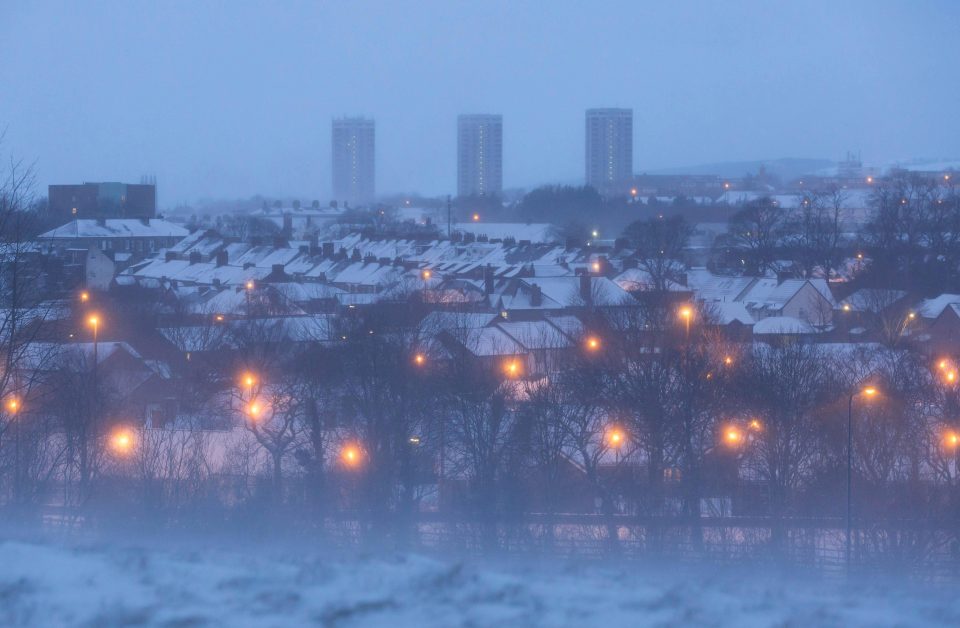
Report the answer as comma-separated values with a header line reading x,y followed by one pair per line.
x,y
585,288
488,280
536,295
222,258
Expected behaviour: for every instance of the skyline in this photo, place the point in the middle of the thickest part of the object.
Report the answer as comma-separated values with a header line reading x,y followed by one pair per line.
x,y
208,113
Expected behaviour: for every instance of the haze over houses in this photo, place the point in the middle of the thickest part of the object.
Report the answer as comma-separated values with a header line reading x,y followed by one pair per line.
x,y
166,314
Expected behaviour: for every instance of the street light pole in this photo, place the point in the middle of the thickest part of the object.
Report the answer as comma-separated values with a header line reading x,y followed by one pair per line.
x,y
849,474
869,391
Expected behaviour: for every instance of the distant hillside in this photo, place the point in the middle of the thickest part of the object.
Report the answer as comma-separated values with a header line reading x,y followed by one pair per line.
x,y
786,168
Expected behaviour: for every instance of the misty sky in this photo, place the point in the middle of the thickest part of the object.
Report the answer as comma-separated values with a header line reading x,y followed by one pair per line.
x,y
228,99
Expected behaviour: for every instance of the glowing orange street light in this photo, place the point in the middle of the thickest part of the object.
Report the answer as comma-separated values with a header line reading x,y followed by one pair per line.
x,y
846,307
254,410
13,405
870,391
219,318
596,267
733,436
593,343
869,179
633,191
84,296
952,376
419,359
951,439
121,441
476,218
350,455
686,314
426,274
93,321
512,368
616,437
728,360
249,284
755,425
249,379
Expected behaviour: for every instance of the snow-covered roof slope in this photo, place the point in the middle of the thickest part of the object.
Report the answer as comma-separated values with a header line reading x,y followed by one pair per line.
x,y
115,228
534,232
932,308
782,325
536,335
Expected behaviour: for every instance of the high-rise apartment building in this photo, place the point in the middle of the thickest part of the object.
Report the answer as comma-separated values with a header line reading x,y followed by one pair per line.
x,y
609,148
353,160
479,155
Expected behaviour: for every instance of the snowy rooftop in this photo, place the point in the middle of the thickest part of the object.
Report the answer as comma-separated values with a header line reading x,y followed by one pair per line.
x,y
534,232
932,308
115,228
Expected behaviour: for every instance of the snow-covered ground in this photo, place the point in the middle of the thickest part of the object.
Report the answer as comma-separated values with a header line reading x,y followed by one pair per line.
x,y
45,584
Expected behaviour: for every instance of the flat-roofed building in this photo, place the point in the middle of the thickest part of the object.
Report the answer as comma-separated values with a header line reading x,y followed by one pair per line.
x,y
103,200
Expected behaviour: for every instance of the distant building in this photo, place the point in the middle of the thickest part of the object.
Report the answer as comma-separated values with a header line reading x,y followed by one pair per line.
x,y
103,200
609,148
479,155
353,160
122,240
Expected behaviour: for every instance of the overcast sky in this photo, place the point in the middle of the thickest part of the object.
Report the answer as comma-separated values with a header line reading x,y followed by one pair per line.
x,y
228,99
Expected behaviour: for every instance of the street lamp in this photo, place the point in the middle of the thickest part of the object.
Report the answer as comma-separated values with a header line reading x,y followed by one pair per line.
x,y
686,314
512,368
351,455
122,441
419,359
248,380
84,296
615,439
593,344
94,322
733,436
868,392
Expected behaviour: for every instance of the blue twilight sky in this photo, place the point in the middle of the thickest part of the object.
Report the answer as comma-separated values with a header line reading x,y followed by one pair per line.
x,y
227,99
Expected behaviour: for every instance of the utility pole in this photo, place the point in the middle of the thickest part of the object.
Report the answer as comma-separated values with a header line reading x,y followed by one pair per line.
x,y
448,216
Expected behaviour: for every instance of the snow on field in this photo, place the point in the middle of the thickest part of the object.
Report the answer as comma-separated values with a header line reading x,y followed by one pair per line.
x,y
52,585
